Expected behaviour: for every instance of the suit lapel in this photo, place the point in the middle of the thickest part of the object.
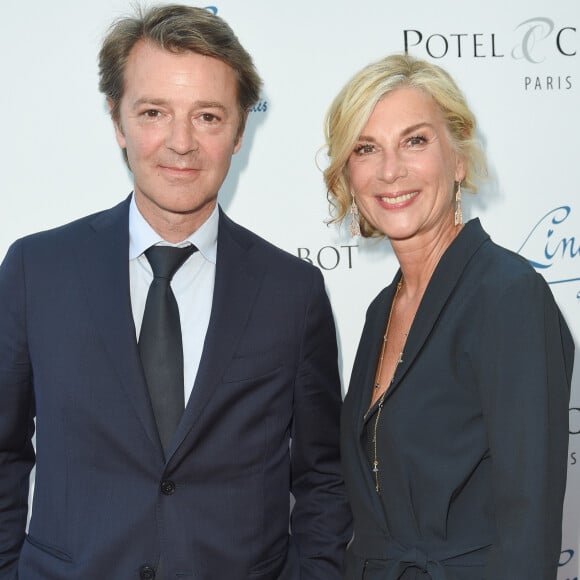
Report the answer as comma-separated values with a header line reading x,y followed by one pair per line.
x,y
237,281
103,263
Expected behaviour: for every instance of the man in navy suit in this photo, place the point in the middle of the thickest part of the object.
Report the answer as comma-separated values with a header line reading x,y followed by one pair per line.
x,y
114,498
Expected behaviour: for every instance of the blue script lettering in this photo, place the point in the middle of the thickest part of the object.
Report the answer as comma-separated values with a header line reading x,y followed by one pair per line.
x,y
548,245
565,557
564,247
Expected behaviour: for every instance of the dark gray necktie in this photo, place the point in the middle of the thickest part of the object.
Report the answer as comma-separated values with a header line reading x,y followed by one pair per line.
x,y
160,343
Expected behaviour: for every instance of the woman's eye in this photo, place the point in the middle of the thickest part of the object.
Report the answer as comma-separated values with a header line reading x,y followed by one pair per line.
x,y
416,140
363,149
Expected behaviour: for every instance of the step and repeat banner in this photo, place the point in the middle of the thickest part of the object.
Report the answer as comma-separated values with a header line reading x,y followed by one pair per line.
x,y
518,64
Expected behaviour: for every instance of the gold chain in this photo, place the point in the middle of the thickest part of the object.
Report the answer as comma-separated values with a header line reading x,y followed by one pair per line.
x,y
377,384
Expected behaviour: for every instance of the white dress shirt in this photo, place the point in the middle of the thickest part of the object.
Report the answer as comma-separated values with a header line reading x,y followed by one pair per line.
x,y
192,284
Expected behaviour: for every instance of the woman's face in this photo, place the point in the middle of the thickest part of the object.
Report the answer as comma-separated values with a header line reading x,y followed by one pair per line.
x,y
403,167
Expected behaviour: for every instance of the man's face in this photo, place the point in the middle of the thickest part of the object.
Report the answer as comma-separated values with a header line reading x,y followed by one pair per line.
x,y
178,121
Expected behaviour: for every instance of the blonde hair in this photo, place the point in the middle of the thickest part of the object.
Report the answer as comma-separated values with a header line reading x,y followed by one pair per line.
x,y
352,107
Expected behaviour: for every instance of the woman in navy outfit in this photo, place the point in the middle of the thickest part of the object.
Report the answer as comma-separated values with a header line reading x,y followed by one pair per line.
x,y
455,425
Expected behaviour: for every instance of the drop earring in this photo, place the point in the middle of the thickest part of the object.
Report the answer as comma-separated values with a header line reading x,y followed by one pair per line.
x,y
354,219
458,211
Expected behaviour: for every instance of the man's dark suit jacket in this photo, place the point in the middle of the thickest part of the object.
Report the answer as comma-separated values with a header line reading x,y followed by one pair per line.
x,y
473,435
106,503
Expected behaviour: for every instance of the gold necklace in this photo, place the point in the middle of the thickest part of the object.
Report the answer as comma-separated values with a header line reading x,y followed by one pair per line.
x,y
377,384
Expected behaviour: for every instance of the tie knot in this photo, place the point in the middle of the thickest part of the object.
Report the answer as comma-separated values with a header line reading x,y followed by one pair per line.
x,y
166,260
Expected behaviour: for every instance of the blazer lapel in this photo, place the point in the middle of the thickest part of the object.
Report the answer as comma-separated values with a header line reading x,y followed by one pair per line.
x,y
363,375
237,281
103,263
370,347
440,287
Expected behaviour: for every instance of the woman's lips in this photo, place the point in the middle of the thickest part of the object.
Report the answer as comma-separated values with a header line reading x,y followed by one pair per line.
x,y
398,199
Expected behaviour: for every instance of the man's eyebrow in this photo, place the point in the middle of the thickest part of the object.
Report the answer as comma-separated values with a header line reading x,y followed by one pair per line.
x,y
162,102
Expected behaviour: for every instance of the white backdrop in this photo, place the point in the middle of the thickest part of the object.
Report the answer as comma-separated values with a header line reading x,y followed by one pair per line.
x,y
519,65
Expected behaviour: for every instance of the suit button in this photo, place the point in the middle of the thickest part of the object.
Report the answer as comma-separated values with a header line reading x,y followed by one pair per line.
x,y
167,487
147,573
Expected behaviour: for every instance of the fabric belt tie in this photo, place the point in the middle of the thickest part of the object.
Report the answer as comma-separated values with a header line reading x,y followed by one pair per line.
x,y
431,559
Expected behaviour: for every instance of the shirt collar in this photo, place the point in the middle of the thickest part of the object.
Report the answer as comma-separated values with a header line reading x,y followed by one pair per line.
x,y
143,236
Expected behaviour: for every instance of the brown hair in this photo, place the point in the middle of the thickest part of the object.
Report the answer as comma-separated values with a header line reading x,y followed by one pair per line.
x,y
176,28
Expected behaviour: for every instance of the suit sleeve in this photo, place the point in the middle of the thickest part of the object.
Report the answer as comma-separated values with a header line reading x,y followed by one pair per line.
x,y
525,372
16,414
321,520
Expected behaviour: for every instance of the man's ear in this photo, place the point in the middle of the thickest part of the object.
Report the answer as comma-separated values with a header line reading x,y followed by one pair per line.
x,y
238,142
240,135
